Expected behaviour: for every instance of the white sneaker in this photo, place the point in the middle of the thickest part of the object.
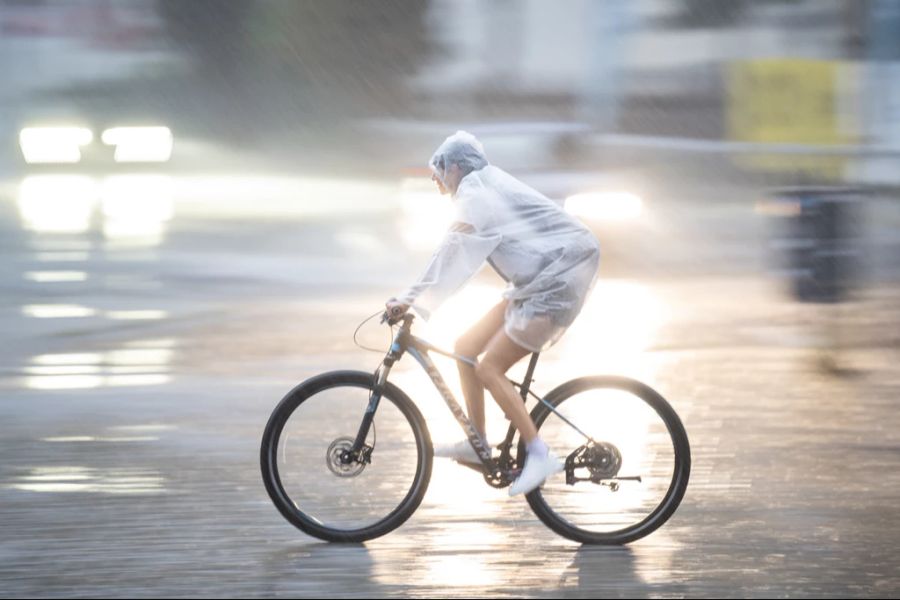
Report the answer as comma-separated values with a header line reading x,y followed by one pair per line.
x,y
537,469
460,451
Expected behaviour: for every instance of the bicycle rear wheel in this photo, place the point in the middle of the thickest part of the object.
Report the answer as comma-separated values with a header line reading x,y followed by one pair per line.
x,y
628,478
330,498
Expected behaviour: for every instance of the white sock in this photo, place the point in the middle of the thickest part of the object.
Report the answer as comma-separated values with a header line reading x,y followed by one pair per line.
x,y
537,447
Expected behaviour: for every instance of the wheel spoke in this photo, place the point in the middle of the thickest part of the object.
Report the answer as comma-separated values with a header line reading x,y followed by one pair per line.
x,y
622,481
323,486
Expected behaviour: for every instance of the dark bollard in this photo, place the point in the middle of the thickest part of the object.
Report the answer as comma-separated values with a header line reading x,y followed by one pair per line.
x,y
819,234
817,242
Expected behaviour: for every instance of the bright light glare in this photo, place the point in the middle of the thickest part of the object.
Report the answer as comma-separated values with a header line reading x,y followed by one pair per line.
x,y
605,206
116,368
139,144
54,276
136,206
136,315
91,358
53,144
57,203
618,325
88,480
57,311
426,214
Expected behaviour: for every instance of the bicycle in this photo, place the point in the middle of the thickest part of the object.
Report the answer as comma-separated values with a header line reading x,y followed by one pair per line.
x,y
346,455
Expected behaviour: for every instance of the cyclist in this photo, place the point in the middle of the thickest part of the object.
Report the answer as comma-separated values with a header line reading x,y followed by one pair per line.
x,y
549,261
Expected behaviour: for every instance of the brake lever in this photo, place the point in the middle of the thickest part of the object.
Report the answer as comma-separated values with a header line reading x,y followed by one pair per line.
x,y
393,318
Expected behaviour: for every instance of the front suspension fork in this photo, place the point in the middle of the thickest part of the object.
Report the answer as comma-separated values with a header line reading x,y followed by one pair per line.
x,y
359,451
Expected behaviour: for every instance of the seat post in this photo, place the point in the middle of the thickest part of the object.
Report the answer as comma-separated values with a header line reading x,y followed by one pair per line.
x,y
526,384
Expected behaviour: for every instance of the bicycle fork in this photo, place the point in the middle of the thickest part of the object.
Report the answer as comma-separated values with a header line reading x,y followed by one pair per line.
x,y
361,452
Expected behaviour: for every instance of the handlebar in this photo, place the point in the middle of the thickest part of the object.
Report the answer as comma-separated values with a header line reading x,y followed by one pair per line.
x,y
397,315
393,317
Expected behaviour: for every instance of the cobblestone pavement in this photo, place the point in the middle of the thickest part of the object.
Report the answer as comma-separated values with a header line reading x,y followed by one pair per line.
x,y
136,380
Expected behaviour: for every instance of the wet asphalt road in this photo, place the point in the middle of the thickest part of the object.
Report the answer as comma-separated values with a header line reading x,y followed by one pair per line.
x,y
139,366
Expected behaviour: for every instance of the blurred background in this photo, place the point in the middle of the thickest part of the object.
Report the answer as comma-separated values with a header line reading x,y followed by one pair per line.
x,y
199,201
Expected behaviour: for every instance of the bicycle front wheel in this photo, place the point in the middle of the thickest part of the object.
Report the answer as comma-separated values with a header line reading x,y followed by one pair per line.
x,y
307,475
627,468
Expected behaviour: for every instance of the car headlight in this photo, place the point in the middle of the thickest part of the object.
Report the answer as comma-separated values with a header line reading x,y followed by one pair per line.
x,y
139,144
53,144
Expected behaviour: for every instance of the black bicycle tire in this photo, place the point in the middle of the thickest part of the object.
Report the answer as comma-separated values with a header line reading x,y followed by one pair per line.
x,y
269,449
680,476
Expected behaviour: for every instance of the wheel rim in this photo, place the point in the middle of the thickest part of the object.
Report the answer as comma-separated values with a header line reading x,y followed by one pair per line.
x,y
630,439
324,493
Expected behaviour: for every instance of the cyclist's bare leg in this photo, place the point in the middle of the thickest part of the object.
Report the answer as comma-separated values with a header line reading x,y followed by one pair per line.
x,y
471,344
502,353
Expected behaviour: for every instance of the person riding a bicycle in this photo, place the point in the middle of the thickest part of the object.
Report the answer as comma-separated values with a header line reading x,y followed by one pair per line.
x,y
627,455
549,261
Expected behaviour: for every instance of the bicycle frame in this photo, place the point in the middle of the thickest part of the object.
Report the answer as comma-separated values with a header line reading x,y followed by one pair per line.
x,y
498,472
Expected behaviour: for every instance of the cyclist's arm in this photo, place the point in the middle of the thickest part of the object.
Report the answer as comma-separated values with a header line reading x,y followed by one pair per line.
x,y
460,255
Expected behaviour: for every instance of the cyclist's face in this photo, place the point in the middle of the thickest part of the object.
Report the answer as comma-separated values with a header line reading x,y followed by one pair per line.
x,y
452,177
440,184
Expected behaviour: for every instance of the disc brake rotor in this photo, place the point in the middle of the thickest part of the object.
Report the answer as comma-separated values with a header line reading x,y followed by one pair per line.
x,y
338,458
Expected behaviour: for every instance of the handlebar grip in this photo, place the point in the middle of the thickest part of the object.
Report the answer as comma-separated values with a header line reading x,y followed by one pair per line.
x,y
393,315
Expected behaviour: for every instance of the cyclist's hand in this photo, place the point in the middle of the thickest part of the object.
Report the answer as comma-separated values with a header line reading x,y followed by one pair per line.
x,y
394,309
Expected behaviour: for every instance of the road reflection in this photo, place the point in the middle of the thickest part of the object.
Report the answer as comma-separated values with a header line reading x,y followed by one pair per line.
x,y
68,479
132,209
466,539
142,362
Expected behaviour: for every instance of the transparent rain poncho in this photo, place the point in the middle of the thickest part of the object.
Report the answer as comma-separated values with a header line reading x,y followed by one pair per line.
x,y
547,257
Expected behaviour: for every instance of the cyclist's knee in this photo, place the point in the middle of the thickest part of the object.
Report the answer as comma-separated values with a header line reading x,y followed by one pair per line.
x,y
486,370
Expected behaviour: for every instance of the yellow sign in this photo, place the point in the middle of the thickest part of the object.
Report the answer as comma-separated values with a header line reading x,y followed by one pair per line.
x,y
789,101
